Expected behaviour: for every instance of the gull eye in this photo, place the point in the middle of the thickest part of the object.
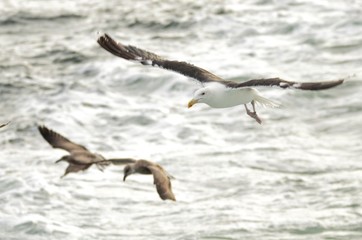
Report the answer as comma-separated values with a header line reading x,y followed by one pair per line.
x,y
203,93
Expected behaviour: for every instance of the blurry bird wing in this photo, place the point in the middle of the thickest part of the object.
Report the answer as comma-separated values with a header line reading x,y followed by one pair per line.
x,y
162,182
58,141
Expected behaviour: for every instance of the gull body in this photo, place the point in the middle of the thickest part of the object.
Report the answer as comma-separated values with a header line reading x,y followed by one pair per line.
x,y
215,96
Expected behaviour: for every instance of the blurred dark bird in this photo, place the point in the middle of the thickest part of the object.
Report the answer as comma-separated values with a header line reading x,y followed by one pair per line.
x,y
4,124
80,158
215,92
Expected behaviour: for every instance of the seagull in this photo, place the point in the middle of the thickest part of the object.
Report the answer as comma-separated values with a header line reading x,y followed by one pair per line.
x,y
161,178
215,91
80,158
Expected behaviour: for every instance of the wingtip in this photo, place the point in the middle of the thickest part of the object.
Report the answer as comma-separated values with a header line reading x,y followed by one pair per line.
x,y
104,37
337,82
321,85
171,198
41,128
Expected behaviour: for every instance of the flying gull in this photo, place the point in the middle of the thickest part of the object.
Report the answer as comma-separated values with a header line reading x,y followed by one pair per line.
x,y
161,178
215,92
80,158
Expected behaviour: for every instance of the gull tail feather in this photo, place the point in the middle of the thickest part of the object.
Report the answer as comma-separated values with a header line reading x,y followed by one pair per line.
x,y
266,102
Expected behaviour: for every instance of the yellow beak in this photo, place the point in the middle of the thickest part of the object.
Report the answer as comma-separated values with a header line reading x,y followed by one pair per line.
x,y
192,102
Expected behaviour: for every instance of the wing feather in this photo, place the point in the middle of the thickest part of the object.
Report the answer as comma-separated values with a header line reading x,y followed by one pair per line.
x,y
148,58
120,161
58,141
76,168
162,182
286,84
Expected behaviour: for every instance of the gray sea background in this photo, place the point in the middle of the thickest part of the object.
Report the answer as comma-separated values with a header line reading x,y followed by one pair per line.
x,y
296,176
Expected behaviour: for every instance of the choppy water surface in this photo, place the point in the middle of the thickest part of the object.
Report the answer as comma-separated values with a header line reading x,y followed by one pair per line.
x,y
297,176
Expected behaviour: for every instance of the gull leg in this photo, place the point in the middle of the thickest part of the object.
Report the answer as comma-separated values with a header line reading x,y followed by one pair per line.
x,y
256,115
252,114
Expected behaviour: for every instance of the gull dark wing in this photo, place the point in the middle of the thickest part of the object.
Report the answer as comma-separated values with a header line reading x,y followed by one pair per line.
x,y
58,141
162,182
285,84
148,58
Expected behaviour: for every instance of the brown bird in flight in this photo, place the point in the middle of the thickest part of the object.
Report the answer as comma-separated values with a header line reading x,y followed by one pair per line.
x,y
81,159
161,178
215,92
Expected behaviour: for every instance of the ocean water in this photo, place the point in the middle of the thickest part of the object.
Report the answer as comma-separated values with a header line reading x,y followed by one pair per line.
x,y
296,176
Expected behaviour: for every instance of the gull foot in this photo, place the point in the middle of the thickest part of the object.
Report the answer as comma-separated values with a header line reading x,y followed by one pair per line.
x,y
254,115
